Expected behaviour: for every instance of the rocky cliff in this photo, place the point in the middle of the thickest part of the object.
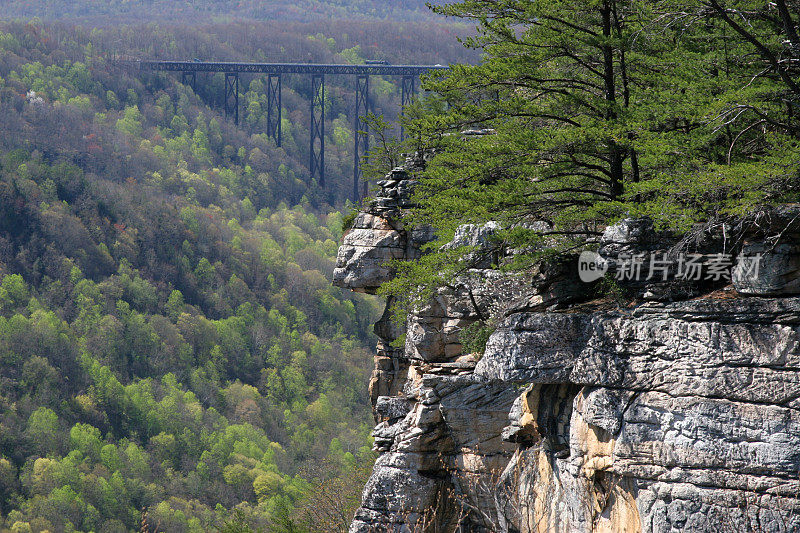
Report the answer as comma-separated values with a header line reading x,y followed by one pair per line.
x,y
678,412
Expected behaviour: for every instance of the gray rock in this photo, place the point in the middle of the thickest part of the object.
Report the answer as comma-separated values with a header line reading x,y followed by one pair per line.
x,y
605,408
534,347
478,237
363,260
393,408
764,270
674,415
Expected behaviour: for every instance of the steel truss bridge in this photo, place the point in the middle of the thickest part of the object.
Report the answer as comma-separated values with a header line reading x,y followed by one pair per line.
x,y
274,72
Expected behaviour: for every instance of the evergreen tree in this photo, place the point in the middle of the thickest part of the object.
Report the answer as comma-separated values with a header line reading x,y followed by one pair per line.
x,y
592,111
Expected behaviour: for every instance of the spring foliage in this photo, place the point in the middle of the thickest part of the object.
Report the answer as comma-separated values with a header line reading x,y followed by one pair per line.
x,y
172,354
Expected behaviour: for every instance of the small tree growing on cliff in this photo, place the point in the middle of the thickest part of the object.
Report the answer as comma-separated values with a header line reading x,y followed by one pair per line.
x,y
387,151
334,497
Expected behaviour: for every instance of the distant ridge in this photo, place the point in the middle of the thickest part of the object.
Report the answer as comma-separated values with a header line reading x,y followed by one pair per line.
x,y
175,10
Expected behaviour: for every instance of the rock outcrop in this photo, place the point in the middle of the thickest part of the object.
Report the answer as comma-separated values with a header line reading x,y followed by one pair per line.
x,y
677,414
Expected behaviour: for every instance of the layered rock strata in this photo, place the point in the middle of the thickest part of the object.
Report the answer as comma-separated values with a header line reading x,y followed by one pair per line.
x,y
663,416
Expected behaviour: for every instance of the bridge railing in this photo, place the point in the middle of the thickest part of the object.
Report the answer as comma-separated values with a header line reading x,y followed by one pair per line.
x,y
287,68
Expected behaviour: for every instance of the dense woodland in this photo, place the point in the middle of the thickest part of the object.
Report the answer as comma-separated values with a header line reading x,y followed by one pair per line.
x,y
172,354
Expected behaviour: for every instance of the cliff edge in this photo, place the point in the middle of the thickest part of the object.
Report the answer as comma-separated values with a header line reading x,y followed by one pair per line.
x,y
677,413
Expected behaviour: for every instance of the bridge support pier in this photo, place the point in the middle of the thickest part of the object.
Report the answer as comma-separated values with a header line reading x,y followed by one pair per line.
x,y
274,71
317,162
274,107
190,79
361,134
407,93
232,96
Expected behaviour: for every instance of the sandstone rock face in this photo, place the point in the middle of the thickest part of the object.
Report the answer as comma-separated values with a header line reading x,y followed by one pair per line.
x,y
362,262
766,270
377,236
665,416
687,412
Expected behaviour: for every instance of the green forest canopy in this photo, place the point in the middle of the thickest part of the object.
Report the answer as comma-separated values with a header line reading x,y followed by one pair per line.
x,y
171,349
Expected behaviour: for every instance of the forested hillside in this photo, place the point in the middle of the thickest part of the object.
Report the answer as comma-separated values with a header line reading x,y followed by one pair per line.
x,y
74,67
172,354
303,10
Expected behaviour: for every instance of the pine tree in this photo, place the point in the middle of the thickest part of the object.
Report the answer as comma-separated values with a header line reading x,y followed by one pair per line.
x,y
599,110
559,90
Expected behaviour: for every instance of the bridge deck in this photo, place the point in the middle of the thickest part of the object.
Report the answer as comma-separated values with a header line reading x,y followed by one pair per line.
x,y
287,68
